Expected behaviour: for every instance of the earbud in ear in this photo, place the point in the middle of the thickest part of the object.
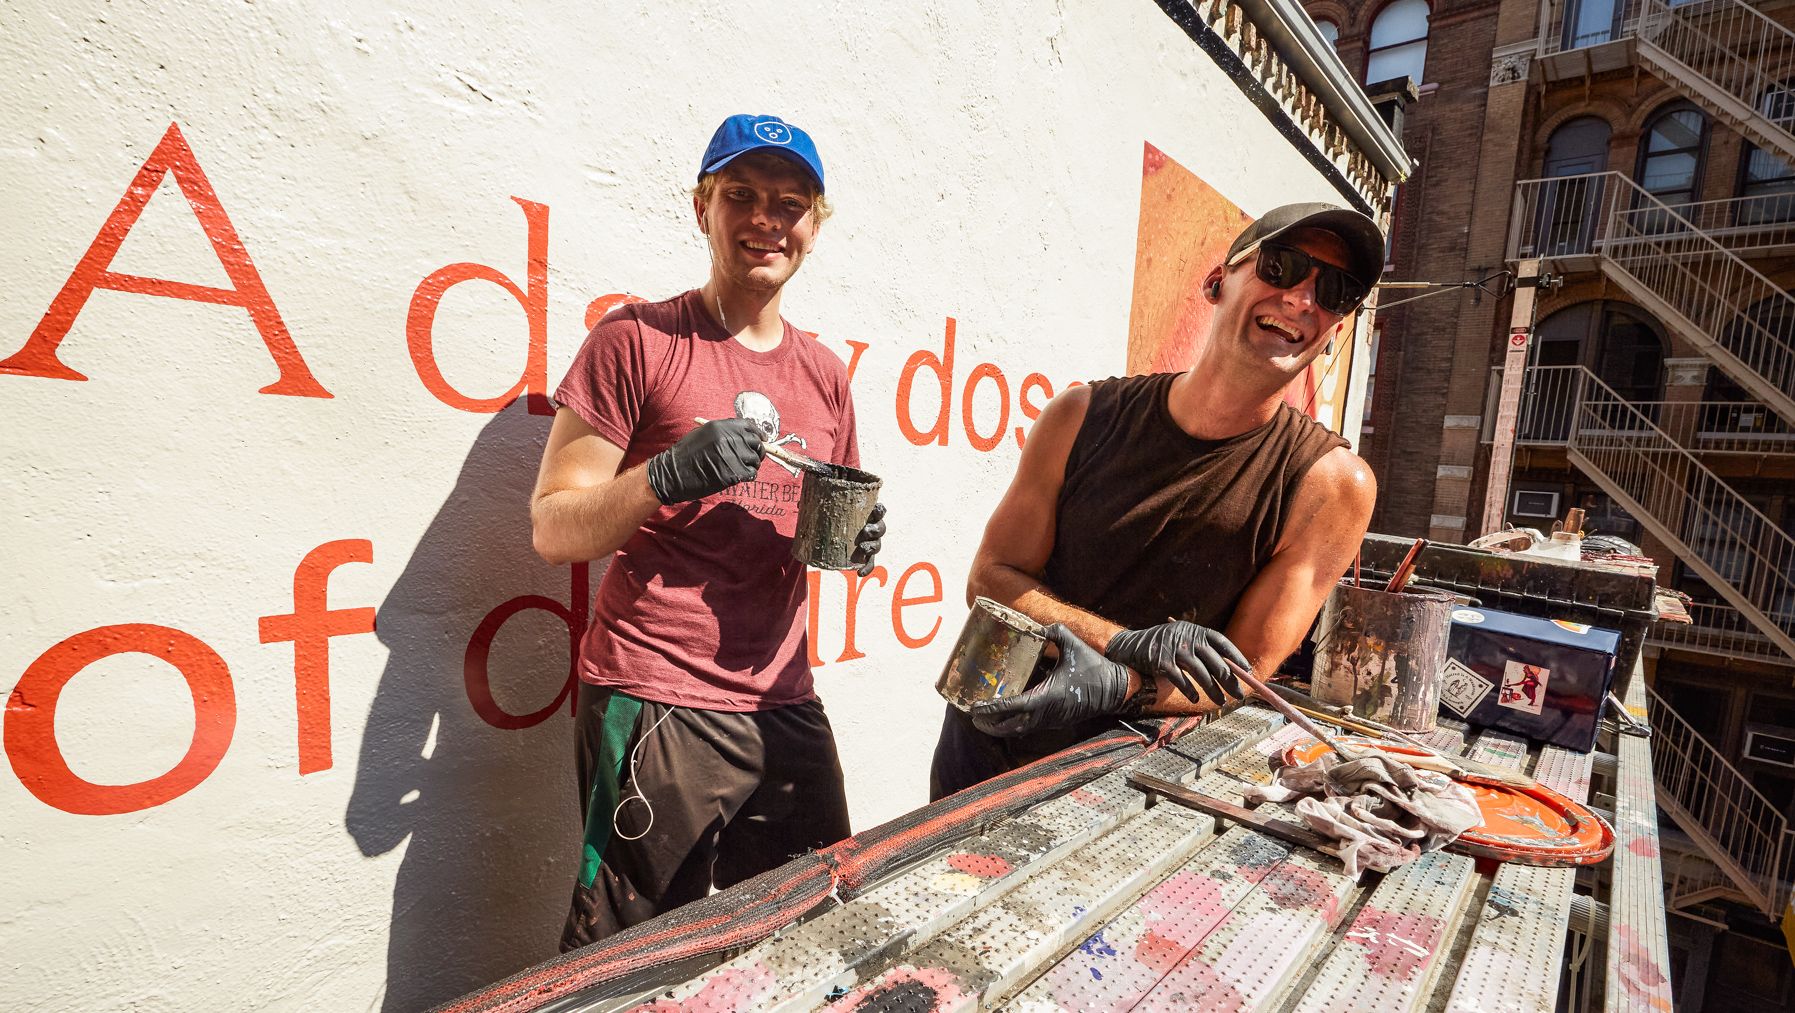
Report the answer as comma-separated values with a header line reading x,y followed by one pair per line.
x,y
1215,290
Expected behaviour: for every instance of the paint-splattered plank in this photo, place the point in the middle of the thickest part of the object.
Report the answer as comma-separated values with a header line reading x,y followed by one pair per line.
x,y
988,953
802,964
1112,969
1515,953
1200,751
1250,959
1395,947
1252,766
1638,963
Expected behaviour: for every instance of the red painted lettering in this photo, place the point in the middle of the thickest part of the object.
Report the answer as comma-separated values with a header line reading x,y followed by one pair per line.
x,y
856,584
980,372
479,648
1031,411
171,155
900,601
812,621
596,310
943,368
309,628
30,731
421,318
854,358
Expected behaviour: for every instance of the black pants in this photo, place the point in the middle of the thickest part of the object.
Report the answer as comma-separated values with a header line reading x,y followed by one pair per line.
x,y
965,756
731,795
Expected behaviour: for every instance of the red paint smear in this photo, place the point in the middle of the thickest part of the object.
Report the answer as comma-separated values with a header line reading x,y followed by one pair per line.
x,y
1644,847
982,866
1390,941
1293,887
1085,796
1153,161
726,991
1639,972
1181,912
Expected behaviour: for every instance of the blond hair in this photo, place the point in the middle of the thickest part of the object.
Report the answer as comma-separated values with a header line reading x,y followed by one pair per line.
x,y
819,204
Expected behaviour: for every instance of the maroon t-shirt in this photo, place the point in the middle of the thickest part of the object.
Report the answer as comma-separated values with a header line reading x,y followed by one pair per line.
x,y
704,605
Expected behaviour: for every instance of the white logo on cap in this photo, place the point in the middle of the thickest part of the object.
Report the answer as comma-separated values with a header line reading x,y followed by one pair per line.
x,y
773,132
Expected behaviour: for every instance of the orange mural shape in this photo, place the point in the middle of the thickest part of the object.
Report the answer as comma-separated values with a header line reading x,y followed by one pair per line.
x,y
1184,231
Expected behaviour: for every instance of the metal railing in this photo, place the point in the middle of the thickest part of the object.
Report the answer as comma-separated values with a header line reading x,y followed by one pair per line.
x,y
1738,317
1550,395
1722,631
1726,54
1742,554
1717,806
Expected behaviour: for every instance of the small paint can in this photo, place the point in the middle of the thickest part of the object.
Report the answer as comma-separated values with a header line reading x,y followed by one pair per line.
x,y
832,509
995,655
1382,654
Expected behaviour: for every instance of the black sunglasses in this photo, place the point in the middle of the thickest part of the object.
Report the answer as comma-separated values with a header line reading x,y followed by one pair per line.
x,y
1286,267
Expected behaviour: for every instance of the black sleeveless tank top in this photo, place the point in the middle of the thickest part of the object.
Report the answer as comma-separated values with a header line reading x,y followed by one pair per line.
x,y
1154,523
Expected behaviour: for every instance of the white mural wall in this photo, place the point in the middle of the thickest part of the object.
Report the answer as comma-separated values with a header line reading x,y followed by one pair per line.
x,y
287,724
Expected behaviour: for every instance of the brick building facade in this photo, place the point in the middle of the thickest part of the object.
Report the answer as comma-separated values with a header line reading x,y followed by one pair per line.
x,y
1639,155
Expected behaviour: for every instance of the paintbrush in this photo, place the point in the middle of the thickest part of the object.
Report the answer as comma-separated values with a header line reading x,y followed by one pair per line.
x,y
1460,767
1291,714
1406,568
790,457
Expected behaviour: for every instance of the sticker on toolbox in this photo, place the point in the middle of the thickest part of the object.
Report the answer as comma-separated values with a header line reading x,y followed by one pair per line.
x,y
1581,629
1523,687
1462,689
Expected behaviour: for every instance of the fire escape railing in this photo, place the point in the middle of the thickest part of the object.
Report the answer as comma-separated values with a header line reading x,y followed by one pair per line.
x,y
1689,279
1716,805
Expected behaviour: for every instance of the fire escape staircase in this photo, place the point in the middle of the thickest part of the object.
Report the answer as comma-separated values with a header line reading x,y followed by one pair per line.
x,y
1723,55
1736,827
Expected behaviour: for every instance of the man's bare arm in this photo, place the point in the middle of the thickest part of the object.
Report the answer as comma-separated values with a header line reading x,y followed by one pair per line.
x,y
582,508
1329,516
1012,556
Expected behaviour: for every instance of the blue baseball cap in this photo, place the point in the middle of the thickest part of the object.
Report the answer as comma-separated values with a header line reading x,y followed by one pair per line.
x,y
743,133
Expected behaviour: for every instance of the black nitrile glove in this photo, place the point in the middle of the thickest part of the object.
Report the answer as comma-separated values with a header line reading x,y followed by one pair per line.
x,y
1082,685
706,461
1188,655
870,540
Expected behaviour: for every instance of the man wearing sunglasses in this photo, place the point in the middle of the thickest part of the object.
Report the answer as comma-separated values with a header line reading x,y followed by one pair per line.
x,y
1169,524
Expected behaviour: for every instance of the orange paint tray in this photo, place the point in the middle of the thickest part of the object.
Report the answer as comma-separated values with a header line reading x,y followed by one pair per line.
x,y
1528,826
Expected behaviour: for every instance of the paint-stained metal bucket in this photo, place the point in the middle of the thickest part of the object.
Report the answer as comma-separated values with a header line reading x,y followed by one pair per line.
x,y
1382,654
834,505
996,653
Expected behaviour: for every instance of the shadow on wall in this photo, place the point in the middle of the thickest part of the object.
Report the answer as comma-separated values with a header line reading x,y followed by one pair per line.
x,y
490,812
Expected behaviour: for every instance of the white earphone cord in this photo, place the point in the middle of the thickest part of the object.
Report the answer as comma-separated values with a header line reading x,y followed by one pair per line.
x,y
635,755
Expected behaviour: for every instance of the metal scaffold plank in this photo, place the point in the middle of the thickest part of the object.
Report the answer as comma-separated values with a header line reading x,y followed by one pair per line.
x,y
1121,962
1393,950
800,965
1515,954
1638,960
990,952
1264,944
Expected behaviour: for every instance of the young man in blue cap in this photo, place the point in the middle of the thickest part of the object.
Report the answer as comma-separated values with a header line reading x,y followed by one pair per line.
x,y
704,755
1169,524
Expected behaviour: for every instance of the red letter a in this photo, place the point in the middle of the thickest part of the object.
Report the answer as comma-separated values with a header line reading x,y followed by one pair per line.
x,y
172,155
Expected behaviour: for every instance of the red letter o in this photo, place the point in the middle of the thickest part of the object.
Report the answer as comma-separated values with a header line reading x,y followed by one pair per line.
x,y
30,730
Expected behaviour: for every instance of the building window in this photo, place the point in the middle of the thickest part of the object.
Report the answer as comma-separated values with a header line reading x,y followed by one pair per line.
x,y
1670,159
1398,42
1767,179
1329,31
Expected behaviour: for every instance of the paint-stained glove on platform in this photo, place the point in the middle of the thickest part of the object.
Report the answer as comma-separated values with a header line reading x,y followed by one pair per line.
x,y
870,540
1082,685
1188,655
706,461
1378,812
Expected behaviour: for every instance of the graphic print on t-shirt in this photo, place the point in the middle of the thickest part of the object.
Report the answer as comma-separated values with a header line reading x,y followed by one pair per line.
x,y
760,410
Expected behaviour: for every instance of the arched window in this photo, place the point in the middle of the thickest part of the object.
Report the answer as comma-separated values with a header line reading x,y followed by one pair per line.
x,y
1329,31
1568,210
1670,158
1618,342
1765,177
1398,42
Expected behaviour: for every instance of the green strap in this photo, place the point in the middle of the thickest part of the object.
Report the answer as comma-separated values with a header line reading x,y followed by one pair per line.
x,y
620,720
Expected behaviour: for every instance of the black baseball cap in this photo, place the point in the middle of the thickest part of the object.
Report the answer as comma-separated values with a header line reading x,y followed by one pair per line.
x,y
1364,240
